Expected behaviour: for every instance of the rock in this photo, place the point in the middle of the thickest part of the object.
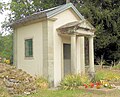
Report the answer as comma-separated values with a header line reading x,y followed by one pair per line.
x,y
2,70
8,83
10,90
16,81
118,87
13,80
27,93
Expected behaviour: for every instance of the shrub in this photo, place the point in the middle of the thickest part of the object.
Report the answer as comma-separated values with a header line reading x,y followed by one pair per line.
x,y
42,83
71,82
99,76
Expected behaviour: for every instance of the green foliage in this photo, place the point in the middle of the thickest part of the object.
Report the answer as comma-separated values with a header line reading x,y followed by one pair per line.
x,y
107,75
2,7
42,83
117,67
23,8
99,76
71,82
6,43
104,15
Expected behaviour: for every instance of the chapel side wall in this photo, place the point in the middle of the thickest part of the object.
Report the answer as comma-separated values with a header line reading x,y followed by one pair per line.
x,y
62,18
34,65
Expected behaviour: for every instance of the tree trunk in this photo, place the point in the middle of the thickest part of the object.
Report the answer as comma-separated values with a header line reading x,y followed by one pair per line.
x,y
113,62
101,61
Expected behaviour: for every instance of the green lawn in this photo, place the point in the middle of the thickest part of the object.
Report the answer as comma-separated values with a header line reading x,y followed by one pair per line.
x,y
61,93
70,93
3,92
57,93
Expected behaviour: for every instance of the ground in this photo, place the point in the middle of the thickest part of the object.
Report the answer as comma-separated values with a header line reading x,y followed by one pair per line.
x,y
56,93
69,93
61,93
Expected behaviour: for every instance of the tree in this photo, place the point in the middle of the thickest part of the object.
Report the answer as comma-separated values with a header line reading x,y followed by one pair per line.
x,y
104,15
5,40
1,7
6,46
23,8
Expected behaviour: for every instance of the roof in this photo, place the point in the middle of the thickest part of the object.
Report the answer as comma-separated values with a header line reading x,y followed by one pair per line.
x,y
47,13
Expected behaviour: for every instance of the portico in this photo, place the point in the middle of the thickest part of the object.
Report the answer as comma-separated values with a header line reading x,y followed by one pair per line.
x,y
77,31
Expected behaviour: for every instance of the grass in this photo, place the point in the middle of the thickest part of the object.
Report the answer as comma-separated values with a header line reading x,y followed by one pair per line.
x,y
70,93
61,93
117,67
108,75
56,93
3,92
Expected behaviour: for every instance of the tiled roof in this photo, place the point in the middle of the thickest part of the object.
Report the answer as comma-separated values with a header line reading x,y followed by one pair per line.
x,y
47,14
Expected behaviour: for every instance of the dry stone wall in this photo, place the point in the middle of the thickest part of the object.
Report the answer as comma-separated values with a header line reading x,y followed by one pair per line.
x,y
16,81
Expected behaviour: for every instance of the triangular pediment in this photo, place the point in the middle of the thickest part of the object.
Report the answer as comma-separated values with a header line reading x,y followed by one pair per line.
x,y
85,25
78,27
62,8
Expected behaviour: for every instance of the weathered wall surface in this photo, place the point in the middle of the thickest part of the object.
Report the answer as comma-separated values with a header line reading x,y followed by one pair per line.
x,y
34,64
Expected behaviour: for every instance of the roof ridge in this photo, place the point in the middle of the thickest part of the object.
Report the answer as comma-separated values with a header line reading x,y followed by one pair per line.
x,y
52,8
49,9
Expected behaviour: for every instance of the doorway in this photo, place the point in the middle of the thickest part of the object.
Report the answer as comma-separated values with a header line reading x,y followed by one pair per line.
x,y
67,58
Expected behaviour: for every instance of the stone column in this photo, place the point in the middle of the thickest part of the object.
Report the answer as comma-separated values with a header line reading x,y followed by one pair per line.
x,y
82,54
73,54
91,55
78,56
50,56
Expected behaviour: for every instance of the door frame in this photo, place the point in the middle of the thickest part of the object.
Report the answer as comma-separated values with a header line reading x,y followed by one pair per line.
x,y
64,40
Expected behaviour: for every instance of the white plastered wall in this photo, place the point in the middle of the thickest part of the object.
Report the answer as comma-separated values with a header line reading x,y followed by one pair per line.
x,y
63,18
31,65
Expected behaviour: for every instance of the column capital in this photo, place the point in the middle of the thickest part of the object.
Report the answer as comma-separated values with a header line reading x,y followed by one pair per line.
x,y
73,35
91,36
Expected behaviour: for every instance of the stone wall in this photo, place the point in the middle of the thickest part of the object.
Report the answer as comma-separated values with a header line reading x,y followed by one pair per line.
x,y
16,81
